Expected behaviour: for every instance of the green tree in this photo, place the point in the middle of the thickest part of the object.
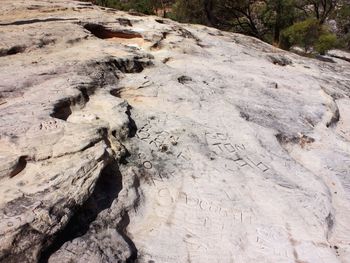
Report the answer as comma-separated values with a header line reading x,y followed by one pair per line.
x,y
191,11
143,6
261,19
278,15
325,42
342,18
319,9
310,35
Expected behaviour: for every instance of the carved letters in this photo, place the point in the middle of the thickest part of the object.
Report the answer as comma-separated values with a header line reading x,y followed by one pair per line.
x,y
221,145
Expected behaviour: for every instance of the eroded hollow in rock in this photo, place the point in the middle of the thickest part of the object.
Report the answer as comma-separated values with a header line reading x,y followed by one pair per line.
x,y
106,191
132,125
279,60
21,164
160,21
116,92
62,110
134,65
104,33
335,118
124,21
184,79
12,51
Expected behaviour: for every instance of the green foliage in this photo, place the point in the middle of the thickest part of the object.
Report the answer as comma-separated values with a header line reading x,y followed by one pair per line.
x,y
344,41
308,34
189,11
318,9
142,6
343,23
325,42
276,16
107,3
303,33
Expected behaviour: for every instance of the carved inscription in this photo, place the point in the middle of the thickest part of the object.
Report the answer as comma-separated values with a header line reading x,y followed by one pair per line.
x,y
184,155
221,145
151,168
166,144
167,198
158,139
49,125
268,239
344,132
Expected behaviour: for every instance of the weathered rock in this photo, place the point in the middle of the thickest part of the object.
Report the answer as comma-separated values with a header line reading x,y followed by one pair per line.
x,y
126,138
340,55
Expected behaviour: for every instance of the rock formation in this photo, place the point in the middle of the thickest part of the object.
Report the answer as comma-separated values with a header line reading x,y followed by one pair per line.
x,y
130,138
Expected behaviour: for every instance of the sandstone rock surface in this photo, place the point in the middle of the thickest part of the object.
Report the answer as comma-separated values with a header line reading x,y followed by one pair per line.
x,y
129,138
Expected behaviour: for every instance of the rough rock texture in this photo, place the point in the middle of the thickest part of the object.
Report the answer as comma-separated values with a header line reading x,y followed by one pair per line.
x,y
126,138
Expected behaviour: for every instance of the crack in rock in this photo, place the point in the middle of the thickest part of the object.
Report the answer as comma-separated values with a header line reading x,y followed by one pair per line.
x,y
105,192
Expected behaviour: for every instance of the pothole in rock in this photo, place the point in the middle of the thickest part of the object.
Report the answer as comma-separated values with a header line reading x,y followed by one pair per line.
x,y
63,108
12,50
106,191
124,21
279,60
132,65
160,21
184,79
116,92
120,36
104,33
20,166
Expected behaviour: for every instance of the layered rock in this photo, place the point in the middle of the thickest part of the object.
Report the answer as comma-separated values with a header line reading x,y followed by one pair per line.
x,y
131,138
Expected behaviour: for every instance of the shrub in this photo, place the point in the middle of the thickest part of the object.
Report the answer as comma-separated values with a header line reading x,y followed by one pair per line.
x,y
308,34
345,41
303,34
325,42
142,6
342,18
189,11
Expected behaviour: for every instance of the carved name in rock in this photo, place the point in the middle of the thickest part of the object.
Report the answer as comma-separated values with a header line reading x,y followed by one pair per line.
x,y
220,144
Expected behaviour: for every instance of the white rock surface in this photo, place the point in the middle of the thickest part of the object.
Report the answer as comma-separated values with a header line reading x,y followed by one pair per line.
x,y
129,138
